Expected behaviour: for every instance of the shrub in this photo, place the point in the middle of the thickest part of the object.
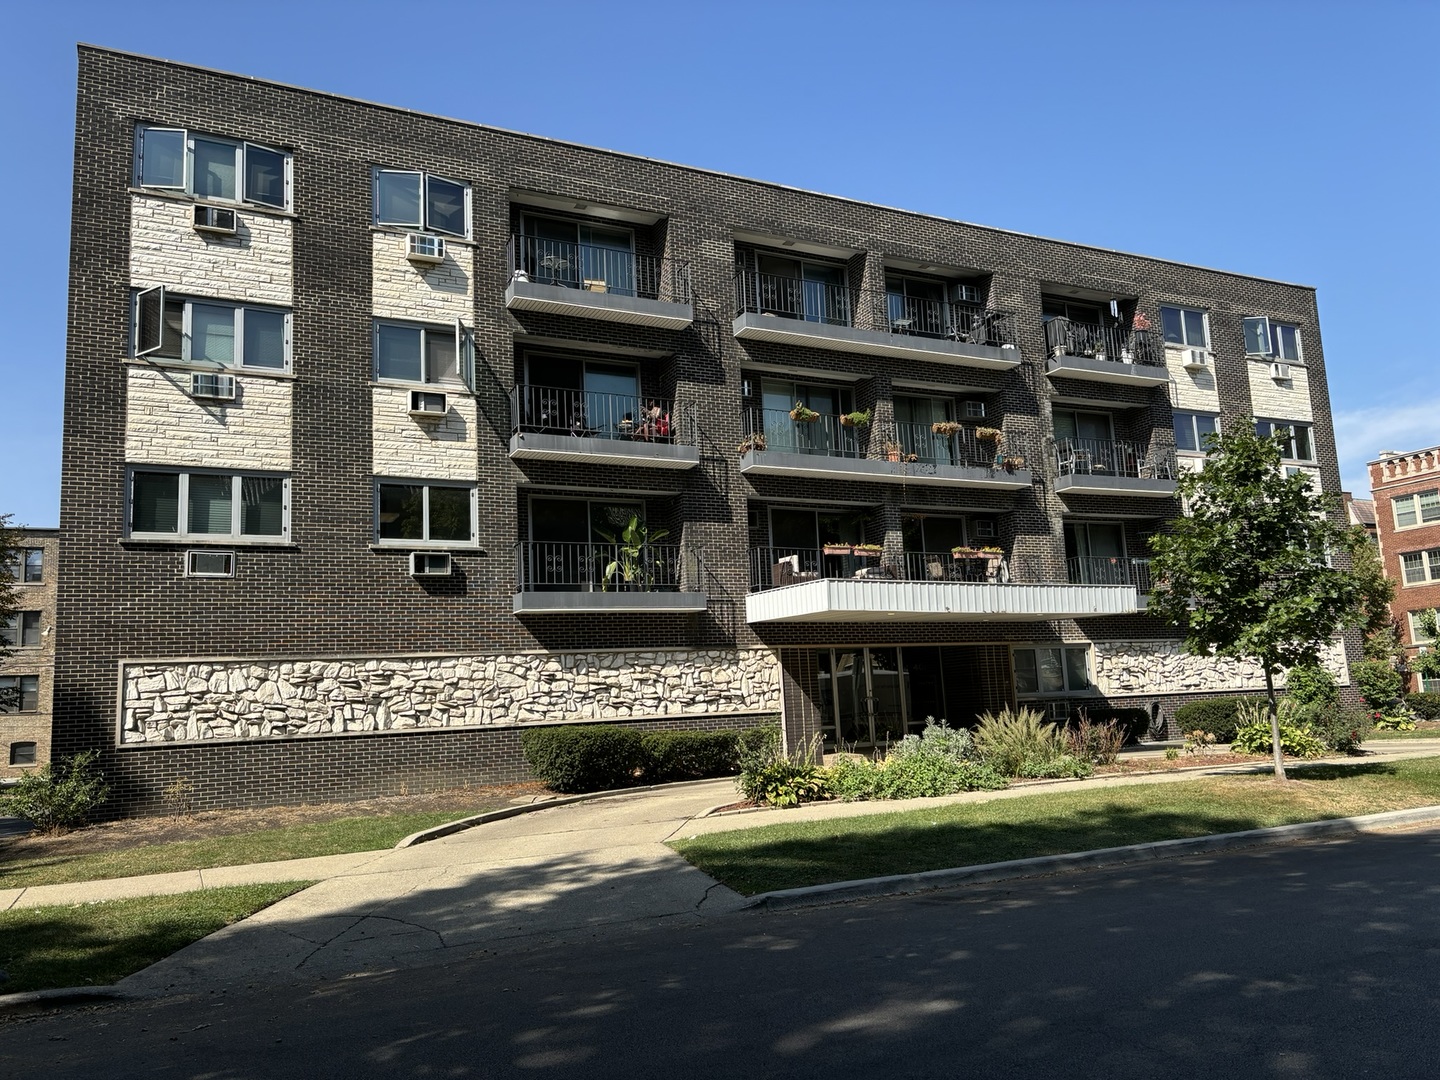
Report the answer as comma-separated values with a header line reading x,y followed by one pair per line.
x,y
853,779
689,755
759,749
1339,728
1294,740
1010,741
1425,706
1378,682
1133,722
59,795
1198,742
1214,715
584,758
1059,767
937,738
789,783
925,775
1311,684
1393,721
1095,742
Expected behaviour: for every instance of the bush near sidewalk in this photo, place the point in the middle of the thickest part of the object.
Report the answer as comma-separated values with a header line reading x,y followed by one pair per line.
x,y
600,757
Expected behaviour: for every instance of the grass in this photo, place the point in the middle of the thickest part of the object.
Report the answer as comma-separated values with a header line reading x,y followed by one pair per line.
x,y
1424,731
790,855
336,837
42,948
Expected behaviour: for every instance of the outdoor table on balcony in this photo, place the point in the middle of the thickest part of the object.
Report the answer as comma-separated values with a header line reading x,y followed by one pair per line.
x,y
901,326
557,265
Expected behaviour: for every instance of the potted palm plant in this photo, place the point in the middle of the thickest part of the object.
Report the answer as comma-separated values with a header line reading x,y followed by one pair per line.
x,y
892,451
630,570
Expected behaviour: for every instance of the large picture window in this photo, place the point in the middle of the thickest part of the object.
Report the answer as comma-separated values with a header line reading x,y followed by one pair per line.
x,y
196,506
226,170
1050,670
412,199
170,327
412,512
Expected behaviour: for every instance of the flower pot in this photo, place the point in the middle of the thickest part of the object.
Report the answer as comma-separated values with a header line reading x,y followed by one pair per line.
x,y
837,549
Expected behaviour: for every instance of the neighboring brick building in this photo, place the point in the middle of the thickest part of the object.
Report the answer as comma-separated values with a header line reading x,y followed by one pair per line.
x,y
1361,512
1406,491
406,403
27,673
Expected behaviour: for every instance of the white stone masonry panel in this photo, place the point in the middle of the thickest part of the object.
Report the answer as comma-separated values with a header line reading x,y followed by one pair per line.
x,y
255,265
1280,399
401,289
1164,667
164,425
1194,391
219,701
424,450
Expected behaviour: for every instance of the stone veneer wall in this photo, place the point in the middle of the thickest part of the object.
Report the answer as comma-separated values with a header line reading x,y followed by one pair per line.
x,y
164,425
253,265
1163,667
201,701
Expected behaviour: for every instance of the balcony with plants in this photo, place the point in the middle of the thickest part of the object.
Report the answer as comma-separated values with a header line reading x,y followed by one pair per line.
x,y
1097,351
606,427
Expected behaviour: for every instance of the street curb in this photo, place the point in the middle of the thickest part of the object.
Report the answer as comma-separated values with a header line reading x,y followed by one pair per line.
x,y
1045,865
32,1000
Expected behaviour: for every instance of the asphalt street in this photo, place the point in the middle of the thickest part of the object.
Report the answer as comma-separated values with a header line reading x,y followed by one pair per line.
x,y
1312,961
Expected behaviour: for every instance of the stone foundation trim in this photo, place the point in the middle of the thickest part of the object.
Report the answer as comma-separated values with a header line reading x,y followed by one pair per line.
x,y
1163,668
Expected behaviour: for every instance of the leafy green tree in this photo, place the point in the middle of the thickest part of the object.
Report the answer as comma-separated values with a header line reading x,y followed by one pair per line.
x,y
1247,572
1426,661
9,595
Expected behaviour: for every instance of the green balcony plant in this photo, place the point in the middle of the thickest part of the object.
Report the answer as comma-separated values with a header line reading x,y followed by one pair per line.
x,y
630,569
855,419
803,414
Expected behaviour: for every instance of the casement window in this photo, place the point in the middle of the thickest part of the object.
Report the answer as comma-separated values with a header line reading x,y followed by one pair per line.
x,y
413,512
22,753
416,353
1299,438
172,504
171,327
412,199
21,630
1045,669
228,170
1420,508
19,693
1420,567
1272,340
1191,429
26,567
1185,326
1418,636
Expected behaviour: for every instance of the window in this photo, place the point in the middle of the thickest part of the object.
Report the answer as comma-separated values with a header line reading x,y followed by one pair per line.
x,y
22,753
1418,636
211,331
1299,438
575,254
1191,430
21,630
416,200
1421,508
19,693
1421,566
1051,670
409,352
171,504
420,512
1272,340
27,566
230,170
1185,326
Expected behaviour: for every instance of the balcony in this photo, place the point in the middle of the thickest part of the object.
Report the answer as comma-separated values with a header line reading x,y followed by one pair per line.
x,y
560,578
1106,354
826,585
1105,467
824,316
1112,570
555,424
779,445
593,282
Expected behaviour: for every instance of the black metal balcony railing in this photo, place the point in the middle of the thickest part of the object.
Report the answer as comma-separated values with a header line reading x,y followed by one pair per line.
x,y
1103,457
592,414
825,435
1110,570
793,298
1070,338
960,446
543,566
593,268
776,567
942,319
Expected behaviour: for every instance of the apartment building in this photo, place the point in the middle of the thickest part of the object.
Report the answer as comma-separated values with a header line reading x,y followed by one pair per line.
x,y
1406,492
27,669
388,435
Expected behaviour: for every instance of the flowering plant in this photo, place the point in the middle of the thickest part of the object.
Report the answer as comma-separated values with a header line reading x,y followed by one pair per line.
x,y
1140,321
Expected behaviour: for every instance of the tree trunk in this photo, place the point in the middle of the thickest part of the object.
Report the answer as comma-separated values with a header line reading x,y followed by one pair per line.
x,y
1274,723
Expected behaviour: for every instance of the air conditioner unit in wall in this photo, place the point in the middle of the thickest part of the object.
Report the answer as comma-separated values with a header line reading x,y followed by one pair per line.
x,y
427,406
209,564
1196,359
216,387
420,248
215,219
429,564
1279,371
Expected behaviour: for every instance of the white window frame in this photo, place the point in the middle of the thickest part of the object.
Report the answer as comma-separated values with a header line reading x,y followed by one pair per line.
x,y
1184,344
424,224
425,541
1191,417
186,341
242,147
1413,500
15,625
182,515
1068,691
1412,623
1429,563
464,353
1274,427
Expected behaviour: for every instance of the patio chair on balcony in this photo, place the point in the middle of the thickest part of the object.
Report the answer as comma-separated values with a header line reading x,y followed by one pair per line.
x,y
1074,460
1156,465
786,571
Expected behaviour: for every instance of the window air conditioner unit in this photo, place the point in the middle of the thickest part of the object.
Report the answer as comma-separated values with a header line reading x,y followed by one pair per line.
x,y
428,406
216,387
429,564
215,219
1196,360
1279,371
424,249
209,564
975,410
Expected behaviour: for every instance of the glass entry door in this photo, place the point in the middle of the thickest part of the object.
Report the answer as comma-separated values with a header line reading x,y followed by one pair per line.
x,y
865,691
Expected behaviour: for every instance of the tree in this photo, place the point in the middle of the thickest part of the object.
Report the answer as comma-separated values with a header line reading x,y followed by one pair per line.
x,y
1247,572
9,595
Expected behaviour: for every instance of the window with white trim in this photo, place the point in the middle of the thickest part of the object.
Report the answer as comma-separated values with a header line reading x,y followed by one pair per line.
x,y
209,167
1185,326
196,330
411,199
196,505
1044,670
19,693
21,630
1419,508
1191,429
1418,636
421,353
409,513
1418,567
1299,438
1264,337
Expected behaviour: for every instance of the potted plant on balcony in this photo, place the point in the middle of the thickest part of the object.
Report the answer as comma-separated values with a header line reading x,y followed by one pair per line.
x,y
630,569
988,434
855,419
837,549
892,451
964,552
947,428
868,551
1011,462
751,442
803,414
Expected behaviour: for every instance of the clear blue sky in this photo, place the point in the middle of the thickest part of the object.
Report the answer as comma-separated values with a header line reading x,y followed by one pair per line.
x,y
1289,140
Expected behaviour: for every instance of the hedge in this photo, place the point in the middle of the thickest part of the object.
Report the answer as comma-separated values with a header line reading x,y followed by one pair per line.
x,y
1215,715
593,757
1424,706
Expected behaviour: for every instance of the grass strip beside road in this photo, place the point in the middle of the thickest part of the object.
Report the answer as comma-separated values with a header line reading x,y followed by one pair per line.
x,y
795,854
44,948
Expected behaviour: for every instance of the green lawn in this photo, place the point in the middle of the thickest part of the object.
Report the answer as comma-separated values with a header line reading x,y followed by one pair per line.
x,y
790,855
337,837
1424,731
97,944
